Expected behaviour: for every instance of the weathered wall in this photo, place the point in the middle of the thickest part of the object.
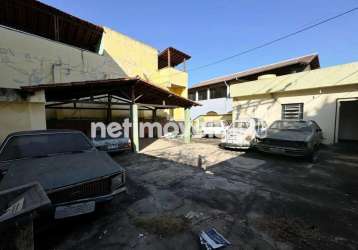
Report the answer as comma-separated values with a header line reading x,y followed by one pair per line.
x,y
27,59
134,57
319,105
18,116
21,113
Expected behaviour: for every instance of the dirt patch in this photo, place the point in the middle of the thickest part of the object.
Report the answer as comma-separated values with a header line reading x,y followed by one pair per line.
x,y
295,231
162,225
194,154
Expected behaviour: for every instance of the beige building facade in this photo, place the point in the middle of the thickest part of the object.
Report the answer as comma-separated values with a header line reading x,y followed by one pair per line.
x,y
328,96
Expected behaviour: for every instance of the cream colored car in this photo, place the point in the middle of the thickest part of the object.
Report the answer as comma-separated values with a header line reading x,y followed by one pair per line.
x,y
242,133
214,129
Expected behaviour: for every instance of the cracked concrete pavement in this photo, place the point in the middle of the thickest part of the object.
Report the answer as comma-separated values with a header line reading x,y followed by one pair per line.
x,y
256,201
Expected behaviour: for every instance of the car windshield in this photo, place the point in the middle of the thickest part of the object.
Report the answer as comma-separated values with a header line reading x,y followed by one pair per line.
x,y
241,125
41,145
291,125
107,136
99,136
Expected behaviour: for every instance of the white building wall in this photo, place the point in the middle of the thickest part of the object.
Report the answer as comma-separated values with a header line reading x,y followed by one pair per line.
x,y
319,105
218,105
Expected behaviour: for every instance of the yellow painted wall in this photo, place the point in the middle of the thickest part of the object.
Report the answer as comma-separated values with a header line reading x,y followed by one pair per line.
x,y
167,76
134,57
19,116
138,59
319,105
27,59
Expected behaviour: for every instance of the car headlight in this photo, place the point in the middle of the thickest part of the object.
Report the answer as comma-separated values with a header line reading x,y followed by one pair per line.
x,y
118,181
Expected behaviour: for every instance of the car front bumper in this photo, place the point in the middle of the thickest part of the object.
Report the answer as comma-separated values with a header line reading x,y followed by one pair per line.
x,y
98,199
289,151
234,145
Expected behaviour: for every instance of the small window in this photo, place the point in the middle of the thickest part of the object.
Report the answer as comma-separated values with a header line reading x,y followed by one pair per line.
x,y
292,111
216,124
209,124
218,92
203,94
192,96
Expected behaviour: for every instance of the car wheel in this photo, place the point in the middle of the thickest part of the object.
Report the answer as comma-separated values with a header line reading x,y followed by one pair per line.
x,y
314,157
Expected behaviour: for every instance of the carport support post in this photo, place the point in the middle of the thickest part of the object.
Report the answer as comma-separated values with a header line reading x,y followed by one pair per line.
x,y
134,121
187,125
154,119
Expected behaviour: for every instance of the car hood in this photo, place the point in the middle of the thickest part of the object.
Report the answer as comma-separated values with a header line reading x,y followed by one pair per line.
x,y
288,135
61,170
240,131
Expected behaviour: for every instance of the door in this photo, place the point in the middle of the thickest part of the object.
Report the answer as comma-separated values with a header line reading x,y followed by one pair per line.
x,y
348,121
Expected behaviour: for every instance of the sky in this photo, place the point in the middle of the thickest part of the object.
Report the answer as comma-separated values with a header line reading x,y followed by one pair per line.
x,y
210,30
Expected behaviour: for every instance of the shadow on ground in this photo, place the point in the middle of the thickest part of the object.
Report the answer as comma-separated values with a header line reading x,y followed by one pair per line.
x,y
256,201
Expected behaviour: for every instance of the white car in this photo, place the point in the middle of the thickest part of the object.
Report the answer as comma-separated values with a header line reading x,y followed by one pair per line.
x,y
242,133
214,129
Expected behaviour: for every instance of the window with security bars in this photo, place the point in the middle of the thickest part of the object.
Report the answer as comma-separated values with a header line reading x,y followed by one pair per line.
x,y
292,111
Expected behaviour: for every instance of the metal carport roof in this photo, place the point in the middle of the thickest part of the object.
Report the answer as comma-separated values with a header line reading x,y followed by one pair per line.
x,y
132,90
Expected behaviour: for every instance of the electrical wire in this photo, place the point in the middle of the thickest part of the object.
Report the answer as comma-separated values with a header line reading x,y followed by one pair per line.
x,y
276,40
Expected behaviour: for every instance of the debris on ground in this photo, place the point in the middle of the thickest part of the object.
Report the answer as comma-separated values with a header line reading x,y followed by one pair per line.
x,y
192,215
211,239
171,135
162,225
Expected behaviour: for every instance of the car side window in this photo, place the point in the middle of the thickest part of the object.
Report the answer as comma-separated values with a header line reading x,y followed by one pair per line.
x,y
217,124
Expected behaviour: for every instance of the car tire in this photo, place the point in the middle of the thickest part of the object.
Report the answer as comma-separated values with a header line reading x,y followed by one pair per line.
x,y
314,156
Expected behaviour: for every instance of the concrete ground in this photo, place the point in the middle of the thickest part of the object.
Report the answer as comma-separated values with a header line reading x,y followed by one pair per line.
x,y
256,201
